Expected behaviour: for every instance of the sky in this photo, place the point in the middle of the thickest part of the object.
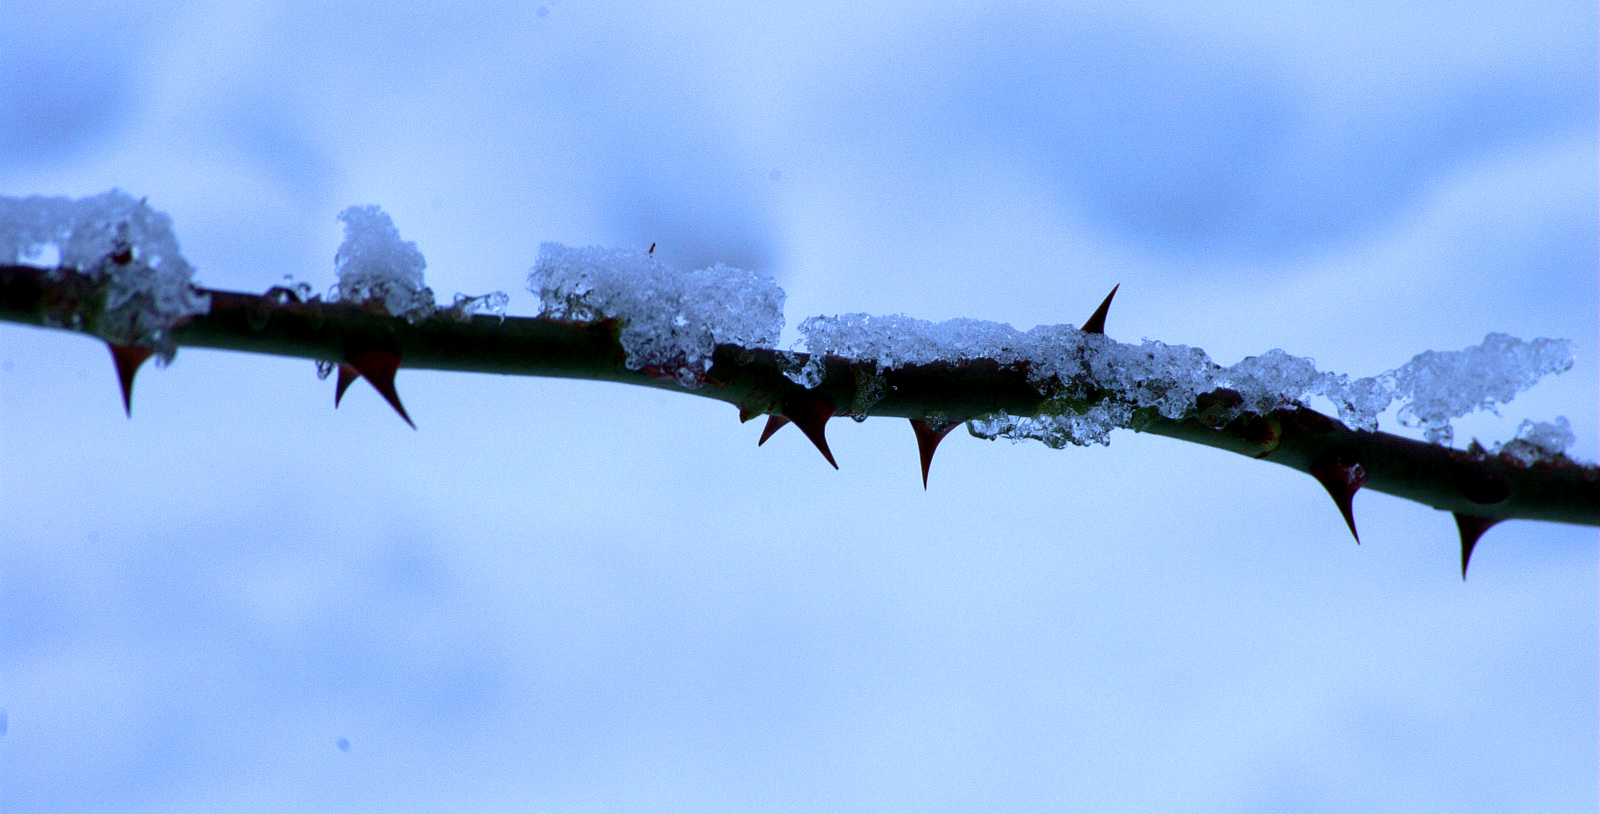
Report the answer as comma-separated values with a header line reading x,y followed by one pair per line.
x,y
560,595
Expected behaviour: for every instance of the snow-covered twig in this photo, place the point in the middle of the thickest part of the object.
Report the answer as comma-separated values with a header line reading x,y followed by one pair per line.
x,y
109,266
1478,486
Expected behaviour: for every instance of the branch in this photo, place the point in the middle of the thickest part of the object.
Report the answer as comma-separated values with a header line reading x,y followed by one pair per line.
x,y
1479,488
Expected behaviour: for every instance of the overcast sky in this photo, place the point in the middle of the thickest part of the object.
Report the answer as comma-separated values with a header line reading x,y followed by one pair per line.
x,y
573,596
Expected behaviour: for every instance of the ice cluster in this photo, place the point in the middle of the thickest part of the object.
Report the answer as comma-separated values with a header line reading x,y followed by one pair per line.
x,y
1440,385
466,306
1539,441
375,265
123,243
671,321
1068,366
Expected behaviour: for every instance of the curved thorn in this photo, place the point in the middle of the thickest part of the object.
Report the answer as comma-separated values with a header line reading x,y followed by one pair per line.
x,y
927,441
347,374
811,417
1471,527
774,423
1342,480
1097,321
128,358
378,367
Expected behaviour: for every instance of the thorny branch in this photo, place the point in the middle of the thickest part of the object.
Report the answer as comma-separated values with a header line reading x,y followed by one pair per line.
x,y
1479,488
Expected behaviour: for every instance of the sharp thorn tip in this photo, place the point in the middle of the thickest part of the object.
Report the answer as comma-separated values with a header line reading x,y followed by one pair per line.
x,y
378,367
1342,480
1471,528
811,417
927,442
774,423
127,359
1096,323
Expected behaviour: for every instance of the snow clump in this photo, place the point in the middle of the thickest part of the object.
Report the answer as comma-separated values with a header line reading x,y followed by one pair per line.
x,y
1441,385
671,320
124,245
375,265
1539,441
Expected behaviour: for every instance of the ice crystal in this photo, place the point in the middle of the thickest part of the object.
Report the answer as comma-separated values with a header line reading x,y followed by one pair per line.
x,y
1539,441
671,320
1121,379
1439,386
124,245
466,307
375,265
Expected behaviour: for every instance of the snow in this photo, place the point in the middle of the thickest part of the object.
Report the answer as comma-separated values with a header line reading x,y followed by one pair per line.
x,y
1067,365
1445,385
466,307
123,243
672,321
1539,441
375,265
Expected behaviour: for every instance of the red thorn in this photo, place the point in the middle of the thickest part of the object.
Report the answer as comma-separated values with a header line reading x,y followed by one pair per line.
x,y
378,367
1471,527
811,416
774,423
1097,322
927,441
1341,480
128,358
347,374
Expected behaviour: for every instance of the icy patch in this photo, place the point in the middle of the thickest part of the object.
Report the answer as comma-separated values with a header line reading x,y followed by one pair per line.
x,y
125,245
466,307
1539,441
671,320
895,341
375,265
1440,386
1094,384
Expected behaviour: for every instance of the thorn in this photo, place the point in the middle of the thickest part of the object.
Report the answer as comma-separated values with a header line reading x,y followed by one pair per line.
x,y
128,358
774,423
1471,527
347,374
378,367
745,414
927,441
1341,480
652,250
811,416
1097,322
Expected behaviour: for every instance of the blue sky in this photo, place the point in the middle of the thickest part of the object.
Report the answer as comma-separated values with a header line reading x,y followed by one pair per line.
x,y
575,596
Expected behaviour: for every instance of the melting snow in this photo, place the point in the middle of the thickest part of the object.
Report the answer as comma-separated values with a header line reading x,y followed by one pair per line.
x,y
671,320
375,265
1539,441
1440,386
1067,365
121,242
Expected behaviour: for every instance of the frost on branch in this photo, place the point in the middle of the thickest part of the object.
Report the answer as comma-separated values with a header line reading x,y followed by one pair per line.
x,y
1539,441
671,321
375,265
1095,384
669,324
125,246
1444,385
